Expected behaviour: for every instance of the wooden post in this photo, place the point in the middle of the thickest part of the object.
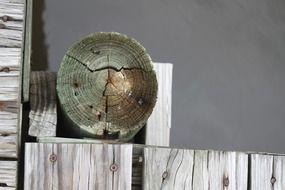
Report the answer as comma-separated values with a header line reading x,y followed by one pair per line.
x,y
107,87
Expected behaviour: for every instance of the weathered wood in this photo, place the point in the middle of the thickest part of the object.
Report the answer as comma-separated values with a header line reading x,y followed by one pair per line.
x,y
159,123
11,23
8,129
81,166
26,67
66,140
187,169
11,39
43,113
8,175
107,87
267,172
161,166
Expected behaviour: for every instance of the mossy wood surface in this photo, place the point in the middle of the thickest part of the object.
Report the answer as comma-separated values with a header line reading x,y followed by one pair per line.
x,y
107,87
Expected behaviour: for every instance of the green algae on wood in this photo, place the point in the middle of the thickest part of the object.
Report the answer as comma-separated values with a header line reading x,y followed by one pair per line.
x,y
107,87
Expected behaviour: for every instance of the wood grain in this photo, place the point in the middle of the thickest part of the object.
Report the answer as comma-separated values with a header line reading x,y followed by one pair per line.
x,y
8,129
43,113
267,172
107,87
8,175
11,40
159,123
78,166
188,169
26,66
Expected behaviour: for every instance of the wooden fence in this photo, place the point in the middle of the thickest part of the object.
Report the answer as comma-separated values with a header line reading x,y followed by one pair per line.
x,y
126,166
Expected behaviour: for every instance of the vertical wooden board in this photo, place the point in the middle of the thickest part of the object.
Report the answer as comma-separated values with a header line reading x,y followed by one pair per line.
x,y
200,172
227,170
26,67
167,169
278,177
43,113
78,166
8,175
267,172
219,170
261,171
159,123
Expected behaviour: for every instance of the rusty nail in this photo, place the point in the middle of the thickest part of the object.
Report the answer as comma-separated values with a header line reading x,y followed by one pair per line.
x,y
53,158
226,181
273,180
114,167
5,18
164,175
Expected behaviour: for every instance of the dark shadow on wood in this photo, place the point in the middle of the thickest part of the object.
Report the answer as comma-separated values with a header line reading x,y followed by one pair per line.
x,y
39,47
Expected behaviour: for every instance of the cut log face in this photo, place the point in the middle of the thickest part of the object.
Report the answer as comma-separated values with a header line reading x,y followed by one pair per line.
x,y
106,86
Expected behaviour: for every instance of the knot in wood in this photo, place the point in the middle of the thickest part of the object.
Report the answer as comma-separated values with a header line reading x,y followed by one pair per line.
x,y
5,18
114,74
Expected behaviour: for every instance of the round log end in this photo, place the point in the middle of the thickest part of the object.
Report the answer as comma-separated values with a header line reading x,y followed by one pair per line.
x,y
107,87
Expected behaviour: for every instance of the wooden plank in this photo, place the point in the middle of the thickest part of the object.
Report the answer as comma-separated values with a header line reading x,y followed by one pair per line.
x,y
8,175
187,169
167,168
11,23
267,172
26,67
11,40
78,166
159,123
8,129
278,177
43,113
227,170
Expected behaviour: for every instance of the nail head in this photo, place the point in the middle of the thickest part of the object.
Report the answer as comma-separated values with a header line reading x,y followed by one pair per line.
x,y
114,167
53,158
